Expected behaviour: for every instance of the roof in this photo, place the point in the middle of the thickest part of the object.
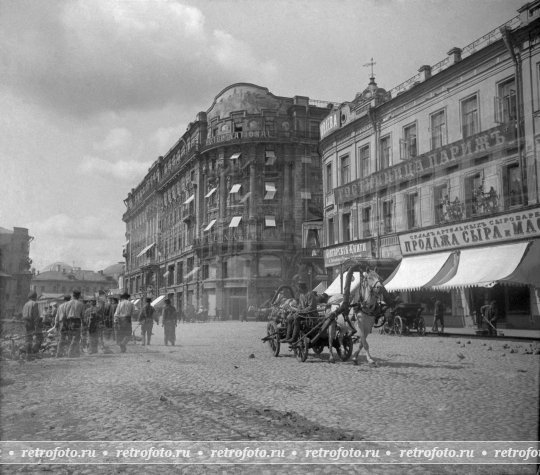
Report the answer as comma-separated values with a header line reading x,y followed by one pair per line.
x,y
114,269
5,231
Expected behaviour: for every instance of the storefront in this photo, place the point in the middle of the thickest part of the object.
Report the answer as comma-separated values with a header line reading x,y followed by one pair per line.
x,y
470,264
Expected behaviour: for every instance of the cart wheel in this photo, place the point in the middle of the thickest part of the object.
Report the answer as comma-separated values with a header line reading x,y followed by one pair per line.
x,y
318,348
301,349
274,343
386,328
347,348
398,325
421,326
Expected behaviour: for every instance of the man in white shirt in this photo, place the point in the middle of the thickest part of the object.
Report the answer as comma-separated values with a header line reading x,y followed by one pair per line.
x,y
122,316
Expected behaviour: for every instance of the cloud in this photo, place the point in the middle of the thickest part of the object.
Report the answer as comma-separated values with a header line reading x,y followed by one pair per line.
x,y
117,138
125,170
84,58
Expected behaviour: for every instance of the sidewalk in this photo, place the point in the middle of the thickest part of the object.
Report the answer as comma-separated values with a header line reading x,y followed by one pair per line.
x,y
502,332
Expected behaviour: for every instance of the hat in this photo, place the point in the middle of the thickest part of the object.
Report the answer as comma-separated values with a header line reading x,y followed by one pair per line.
x,y
32,295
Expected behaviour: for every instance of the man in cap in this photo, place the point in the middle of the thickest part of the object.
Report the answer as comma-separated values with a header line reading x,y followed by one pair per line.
x,y
170,320
75,315
307,307
93,317
32,324
122,316
146,320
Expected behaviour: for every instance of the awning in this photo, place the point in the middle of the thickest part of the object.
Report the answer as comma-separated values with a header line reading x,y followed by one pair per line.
x,y
335,287
210,193
320,287
270,191
528,271
270,158
270,221
235,221
305,195
192,272
235,188
415,272
246,197
485,266
190,199
210,224
234,156
159,301
146,249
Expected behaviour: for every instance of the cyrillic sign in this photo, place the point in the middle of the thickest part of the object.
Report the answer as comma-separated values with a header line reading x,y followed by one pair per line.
x,y
329,124
518,225
337,255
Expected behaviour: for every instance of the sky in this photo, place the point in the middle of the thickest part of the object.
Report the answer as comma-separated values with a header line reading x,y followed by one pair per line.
x,y
93,91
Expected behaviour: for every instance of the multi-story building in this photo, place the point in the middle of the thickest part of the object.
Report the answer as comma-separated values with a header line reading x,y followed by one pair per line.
x,y
234,208
442,172
15,272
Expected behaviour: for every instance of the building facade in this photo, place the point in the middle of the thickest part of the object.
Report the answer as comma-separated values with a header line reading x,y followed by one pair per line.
x,y
442,174
15,272
234,208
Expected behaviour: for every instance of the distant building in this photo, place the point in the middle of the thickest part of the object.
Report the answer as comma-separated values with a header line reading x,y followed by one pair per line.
x,y
442,173
234,208
62,280
15,272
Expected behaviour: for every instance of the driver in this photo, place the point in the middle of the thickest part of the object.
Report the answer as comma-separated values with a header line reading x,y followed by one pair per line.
x,y
307,306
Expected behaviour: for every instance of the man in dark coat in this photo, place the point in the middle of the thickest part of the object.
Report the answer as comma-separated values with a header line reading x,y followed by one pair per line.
x,y
93,318
32,324
170,320
146,320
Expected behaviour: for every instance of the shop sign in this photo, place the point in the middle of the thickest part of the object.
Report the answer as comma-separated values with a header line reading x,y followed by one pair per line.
x,y
491,230
250,134
330,123
337,255
451,154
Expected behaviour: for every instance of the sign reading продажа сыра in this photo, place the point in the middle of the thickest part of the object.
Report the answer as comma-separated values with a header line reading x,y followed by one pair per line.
x,y
518,225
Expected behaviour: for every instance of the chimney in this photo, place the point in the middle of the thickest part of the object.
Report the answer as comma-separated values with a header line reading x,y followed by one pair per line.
x,y
425,72
455,55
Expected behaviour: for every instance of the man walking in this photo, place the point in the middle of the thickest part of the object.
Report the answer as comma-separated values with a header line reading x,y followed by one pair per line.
x,y
170,320
438,317
32,324
75,315
124,313
146,320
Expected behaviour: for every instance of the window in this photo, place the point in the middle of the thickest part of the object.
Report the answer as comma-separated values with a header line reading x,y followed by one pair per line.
x,y
224,270
364,161
440,197
366,221
512,186
473,184
438,129
505,102
408,144
331,237
346,223
385,151
387,216
179,272
413,211
238,128
314,129
345,169
170,275
469,117
329,178
205,271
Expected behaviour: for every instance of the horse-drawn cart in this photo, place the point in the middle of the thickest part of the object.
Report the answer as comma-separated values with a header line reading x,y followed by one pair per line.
x,y
403,318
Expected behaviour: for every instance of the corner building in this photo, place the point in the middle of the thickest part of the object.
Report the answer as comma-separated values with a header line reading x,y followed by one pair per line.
x,y
234,209
441,173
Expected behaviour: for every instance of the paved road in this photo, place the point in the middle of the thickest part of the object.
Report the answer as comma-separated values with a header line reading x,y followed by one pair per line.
x,y
222,383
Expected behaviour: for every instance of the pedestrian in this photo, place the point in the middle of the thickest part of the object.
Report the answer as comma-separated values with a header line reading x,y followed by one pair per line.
x,y
490,313
75,315
61,327
170,320
110,310
146,320
93,318
438,316
32,325
123,314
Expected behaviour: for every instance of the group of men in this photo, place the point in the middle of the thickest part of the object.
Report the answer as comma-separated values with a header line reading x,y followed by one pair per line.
x,y
78,324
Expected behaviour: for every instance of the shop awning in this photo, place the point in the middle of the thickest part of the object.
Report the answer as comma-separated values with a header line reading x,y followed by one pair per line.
x,y
146,249
158,302
485,266
235,221
270,221
415,272
335,287
189,200
210,193
192,272
235,188
210,224
528,271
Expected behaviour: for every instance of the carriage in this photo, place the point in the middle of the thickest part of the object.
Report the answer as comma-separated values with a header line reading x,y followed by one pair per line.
x,y
403,318
313,328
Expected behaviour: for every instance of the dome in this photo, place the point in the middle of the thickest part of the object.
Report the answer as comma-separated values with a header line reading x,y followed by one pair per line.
x,y
371,92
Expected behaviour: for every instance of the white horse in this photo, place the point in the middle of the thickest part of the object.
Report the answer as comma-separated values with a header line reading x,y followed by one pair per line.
x,y
368,308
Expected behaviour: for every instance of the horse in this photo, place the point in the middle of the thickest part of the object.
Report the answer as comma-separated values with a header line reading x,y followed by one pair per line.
x,y
368,310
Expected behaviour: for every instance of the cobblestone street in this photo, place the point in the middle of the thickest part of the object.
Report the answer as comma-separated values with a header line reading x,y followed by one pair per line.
x,y
222,383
